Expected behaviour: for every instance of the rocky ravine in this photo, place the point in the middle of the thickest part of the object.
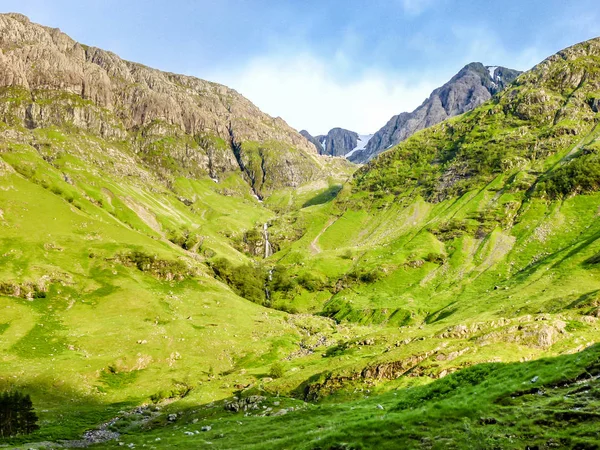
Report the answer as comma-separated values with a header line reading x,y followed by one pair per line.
x,y
469,88
48,79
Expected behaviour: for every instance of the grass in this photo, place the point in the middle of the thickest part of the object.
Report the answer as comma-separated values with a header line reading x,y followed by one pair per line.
x,y
550,401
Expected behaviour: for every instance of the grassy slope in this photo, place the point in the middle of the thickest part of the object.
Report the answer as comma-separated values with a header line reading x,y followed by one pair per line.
x,y
96,331
471,223
545,403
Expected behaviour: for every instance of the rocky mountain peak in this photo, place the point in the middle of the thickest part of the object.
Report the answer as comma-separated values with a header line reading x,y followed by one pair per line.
x,y
36,57
473,85
338,142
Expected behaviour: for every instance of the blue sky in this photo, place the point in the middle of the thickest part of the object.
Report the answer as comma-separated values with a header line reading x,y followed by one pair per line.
x,y
320,64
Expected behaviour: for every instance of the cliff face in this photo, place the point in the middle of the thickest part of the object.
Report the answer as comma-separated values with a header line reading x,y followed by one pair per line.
x,y
472,86
48,79
338,142
314,140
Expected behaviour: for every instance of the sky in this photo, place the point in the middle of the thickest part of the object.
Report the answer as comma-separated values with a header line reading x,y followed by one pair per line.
x,y
321,64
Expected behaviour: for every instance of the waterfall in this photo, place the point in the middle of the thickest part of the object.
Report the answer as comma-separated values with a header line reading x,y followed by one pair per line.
x,y
268,252
268,249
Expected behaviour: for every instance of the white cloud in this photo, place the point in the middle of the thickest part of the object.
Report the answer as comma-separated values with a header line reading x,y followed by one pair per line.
x,y
306,92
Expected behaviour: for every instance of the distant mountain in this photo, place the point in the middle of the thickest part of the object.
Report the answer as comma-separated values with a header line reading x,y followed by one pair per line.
x,y
338,142
314,141
469,88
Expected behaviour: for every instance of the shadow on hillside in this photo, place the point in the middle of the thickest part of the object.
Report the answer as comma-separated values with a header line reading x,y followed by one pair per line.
x,y
64,412
324,197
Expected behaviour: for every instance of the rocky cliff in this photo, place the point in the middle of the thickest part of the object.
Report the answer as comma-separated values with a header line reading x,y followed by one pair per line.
x,y
338,142
314,141
469,88
48,79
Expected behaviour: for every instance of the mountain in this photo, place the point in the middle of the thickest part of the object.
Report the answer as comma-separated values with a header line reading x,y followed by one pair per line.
x,y
314,140
500,204
338,142
469,88
182,124
461,273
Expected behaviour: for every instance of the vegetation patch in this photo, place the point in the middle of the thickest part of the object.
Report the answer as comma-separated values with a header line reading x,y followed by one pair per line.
x,y
163,269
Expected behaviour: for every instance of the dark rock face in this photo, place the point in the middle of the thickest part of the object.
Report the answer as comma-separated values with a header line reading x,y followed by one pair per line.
x,y
338,142
469,88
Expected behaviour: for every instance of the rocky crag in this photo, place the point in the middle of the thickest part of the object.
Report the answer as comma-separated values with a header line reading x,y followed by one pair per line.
x,y
469,88
175,123
338,142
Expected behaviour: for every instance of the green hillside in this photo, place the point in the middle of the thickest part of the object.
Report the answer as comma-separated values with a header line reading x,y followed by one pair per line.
x,y
156,279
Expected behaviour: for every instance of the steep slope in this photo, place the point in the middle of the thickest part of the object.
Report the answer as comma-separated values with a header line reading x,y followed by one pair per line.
x,y
469,88
314,140
481,231
339,142
181,124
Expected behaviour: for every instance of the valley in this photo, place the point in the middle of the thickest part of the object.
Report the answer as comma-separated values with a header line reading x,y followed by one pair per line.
x,y
180,270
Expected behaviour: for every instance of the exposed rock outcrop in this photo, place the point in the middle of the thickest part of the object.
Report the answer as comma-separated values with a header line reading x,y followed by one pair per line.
x,y
48,79
314,141
338,142
469,88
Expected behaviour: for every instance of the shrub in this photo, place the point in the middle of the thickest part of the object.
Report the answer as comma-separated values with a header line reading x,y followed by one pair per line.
x,y
277,370
365,275
436,258
160,268
446,231
246,280
309,282
184,238
281,280
347,254
582,174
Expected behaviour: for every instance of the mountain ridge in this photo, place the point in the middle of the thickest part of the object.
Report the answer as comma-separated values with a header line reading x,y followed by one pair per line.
x,y
471,86
212,128
338,142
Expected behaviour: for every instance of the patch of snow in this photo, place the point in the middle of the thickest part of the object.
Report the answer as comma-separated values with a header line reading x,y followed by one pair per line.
x,y
361,144
216,180
323,143
492,69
